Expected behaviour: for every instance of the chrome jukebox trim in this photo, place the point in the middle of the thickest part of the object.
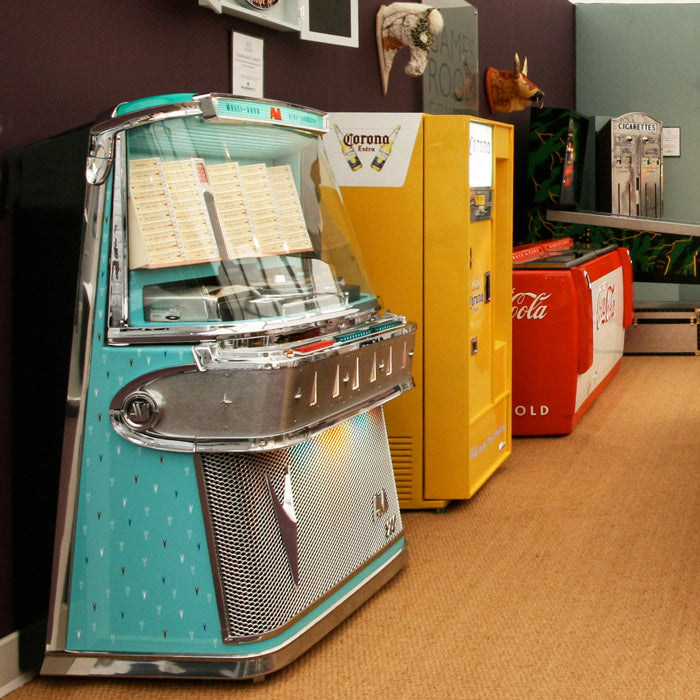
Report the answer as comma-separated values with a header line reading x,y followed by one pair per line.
x,y
245,331
118,303
79,371
102,135
257,400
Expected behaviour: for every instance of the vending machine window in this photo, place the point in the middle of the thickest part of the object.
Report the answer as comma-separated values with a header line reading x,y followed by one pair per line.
x,y
227,493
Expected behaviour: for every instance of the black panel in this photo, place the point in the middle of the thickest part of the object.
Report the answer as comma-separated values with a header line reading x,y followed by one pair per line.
x,y
330,17
44,199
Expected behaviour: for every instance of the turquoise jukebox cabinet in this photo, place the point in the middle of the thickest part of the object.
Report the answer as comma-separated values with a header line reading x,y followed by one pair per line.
x,y
227,493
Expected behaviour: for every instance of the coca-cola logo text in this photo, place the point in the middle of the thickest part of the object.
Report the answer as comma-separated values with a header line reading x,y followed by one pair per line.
x,y
530,305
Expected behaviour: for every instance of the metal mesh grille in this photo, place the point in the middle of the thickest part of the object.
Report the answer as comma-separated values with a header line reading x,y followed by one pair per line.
x,y
335,479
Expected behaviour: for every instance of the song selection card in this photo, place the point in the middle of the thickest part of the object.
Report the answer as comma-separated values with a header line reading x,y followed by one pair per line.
x,y
256,208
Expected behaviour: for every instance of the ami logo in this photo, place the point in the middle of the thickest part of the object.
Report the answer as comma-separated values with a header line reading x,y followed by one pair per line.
x,y
276,113
380,504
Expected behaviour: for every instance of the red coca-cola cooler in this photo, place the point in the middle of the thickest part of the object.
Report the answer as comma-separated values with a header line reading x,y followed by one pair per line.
x,y
571,307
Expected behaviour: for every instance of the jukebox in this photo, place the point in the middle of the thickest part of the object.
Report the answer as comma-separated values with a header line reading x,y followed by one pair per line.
x,y
227,492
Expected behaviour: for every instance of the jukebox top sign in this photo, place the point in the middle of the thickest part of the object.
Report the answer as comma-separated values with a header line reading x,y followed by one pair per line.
x,y
223,107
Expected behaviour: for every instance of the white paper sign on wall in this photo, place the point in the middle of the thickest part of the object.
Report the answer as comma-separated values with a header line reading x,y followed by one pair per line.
x,y
248,65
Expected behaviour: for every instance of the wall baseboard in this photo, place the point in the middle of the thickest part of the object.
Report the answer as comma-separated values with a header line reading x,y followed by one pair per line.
x,y
21,654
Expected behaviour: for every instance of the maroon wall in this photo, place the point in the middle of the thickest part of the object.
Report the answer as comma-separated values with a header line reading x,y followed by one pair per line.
x,y
63,63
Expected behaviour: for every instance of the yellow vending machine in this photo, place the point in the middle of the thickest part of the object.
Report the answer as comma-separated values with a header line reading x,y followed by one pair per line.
x,y
430,198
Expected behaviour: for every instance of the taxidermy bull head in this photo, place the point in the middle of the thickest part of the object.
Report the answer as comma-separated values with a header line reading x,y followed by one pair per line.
x,y
511,91
406,24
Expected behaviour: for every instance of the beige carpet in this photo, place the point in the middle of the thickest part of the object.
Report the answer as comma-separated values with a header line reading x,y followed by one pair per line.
x,y
573,573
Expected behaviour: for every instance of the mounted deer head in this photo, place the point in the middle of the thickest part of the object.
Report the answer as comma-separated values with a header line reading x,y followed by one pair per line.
x,y
511,91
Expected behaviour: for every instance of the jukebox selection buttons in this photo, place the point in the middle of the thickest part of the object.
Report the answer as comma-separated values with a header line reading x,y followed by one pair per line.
x,y
139,411
313,347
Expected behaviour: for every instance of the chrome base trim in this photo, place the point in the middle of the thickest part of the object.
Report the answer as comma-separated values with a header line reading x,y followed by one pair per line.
x,y
232,666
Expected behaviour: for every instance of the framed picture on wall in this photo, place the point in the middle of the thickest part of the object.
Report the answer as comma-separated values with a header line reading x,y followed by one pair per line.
x,y
331,22
671,141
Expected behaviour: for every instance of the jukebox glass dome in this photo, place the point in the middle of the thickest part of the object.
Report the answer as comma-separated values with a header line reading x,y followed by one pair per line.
x,y
224,218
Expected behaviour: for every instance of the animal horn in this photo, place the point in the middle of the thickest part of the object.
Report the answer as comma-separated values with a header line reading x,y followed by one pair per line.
x,y
516,66
525,66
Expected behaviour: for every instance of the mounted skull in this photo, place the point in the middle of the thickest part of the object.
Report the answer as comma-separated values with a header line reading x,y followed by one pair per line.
x,y
406,24
511,91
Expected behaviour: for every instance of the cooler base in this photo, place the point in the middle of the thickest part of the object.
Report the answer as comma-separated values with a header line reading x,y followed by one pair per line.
x,y
277,654
563,425
663,331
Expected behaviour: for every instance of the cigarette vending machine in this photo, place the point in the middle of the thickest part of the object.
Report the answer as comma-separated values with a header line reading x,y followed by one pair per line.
x,y
227,493
430,197
630,166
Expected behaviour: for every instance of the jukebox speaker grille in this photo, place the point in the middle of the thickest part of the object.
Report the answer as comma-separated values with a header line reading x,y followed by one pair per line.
x,y
339,489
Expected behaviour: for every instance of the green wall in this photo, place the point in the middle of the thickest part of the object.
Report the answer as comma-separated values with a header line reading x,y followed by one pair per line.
x,y
646,58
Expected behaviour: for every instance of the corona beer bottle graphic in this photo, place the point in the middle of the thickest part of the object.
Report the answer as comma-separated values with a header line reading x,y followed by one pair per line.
x,y
348,151
384,151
